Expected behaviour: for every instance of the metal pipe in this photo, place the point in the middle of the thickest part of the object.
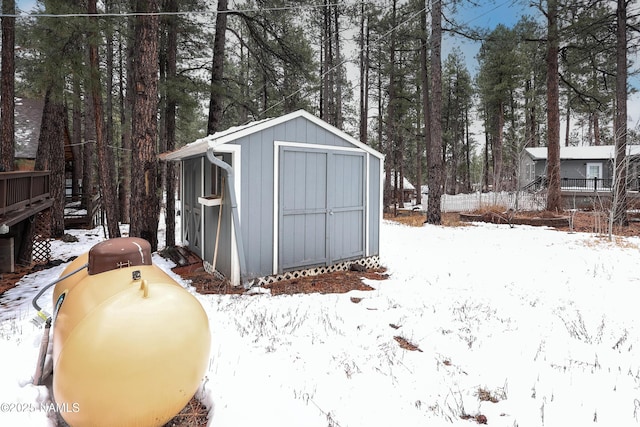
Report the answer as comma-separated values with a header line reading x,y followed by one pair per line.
x,y
230,183
34,302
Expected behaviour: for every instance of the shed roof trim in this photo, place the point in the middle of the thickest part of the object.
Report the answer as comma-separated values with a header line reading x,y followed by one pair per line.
x,y
201,145
582,153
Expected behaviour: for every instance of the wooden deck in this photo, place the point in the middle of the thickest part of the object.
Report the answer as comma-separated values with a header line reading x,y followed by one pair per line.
x,y
23,194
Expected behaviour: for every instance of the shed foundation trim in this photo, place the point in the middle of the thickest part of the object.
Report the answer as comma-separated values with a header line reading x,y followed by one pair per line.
x,y
368,263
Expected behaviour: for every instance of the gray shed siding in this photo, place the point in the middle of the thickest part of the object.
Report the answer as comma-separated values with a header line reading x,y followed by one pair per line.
x,y
308,196
210,213
374,209
191,209
257,197
256,201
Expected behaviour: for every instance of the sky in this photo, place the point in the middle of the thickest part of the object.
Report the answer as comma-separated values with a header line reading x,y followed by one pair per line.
x,y
508,12
550,340
487,15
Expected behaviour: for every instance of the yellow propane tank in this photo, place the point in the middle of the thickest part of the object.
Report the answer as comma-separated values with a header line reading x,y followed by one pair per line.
x,y
130,345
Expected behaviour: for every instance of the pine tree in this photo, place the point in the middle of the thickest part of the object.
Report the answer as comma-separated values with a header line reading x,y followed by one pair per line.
x,y
7,107
107,190
145,198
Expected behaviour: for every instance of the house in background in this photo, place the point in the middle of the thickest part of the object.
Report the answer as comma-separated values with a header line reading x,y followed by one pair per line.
x,y
280,197
408,192
587,168
28,113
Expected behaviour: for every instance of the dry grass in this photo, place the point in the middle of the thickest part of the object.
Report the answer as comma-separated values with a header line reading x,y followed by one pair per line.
x,y
486,396
417,219
497,209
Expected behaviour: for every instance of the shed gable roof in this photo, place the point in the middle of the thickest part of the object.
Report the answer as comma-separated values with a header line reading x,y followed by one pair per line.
x,y
604,152
201,145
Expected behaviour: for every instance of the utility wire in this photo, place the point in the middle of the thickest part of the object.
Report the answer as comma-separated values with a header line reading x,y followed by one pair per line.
x,y
133,14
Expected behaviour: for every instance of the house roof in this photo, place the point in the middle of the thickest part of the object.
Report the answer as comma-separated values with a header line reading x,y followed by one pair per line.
x,y
582,153
405,182
201,145
28,115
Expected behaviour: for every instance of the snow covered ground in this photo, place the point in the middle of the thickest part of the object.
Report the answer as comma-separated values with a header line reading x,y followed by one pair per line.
x,y
544,323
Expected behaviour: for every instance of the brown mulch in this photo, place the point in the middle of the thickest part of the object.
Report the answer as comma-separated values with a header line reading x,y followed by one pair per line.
x,y
335,283
8,280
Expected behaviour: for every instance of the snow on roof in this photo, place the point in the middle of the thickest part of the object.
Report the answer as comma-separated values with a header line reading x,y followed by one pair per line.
x,y
233,133
583,152
201,145
405,182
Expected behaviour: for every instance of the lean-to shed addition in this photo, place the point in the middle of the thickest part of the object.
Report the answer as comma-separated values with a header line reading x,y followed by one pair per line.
x,y
281,195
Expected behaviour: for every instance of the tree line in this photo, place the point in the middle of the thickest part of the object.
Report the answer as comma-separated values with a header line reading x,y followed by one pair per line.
x,y
124,80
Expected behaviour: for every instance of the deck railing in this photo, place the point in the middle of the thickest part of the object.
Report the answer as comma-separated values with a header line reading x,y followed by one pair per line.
x,y
19,190
586,184
579,184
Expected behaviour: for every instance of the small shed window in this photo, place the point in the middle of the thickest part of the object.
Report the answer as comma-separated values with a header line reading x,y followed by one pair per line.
x,y
216,179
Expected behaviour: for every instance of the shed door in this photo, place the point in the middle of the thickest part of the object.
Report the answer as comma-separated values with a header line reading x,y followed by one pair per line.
x,y
321,207
192,210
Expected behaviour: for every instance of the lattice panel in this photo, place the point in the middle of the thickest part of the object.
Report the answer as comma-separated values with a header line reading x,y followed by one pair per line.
x,y
369,262
43,225
41,252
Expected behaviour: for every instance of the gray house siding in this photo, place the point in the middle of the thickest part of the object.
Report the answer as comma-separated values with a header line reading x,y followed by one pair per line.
x,y
580,162
578,168
569,168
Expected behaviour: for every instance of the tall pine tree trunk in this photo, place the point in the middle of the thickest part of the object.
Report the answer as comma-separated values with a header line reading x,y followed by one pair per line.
x,y
104,162
426,100
76,138
435,165
620,185
337,119
390,193
7,135
554,198
496,148
88,155
50,154
126,102
364,78
145,200
170,124
217,70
